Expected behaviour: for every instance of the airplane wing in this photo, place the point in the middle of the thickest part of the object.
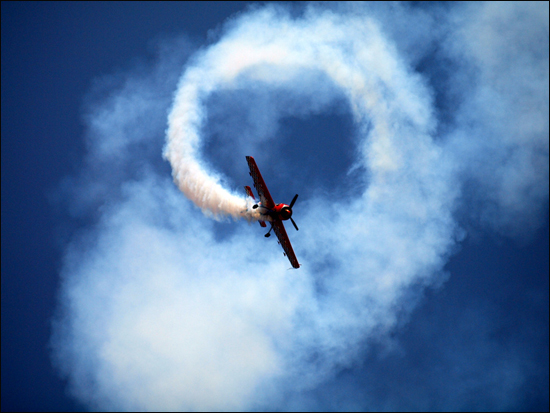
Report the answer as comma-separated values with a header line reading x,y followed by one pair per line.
x,y
259,184
280,231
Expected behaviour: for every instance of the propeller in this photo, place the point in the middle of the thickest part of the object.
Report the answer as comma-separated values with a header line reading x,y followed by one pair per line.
x,y
286,213
294,223
290,206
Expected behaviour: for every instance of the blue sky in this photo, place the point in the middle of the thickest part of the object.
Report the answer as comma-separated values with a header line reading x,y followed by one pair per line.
x,y
416,136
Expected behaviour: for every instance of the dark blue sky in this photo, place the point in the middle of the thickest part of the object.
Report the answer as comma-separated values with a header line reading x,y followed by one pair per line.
x,y
453,350
51,54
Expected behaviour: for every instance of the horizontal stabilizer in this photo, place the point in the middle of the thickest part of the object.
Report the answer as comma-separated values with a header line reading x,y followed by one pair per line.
x,y
249,192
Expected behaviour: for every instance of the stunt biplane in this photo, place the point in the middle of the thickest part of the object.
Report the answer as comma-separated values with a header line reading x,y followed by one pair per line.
x,y
273,213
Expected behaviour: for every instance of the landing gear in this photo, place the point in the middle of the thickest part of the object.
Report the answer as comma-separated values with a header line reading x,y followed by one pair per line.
x,y
268,232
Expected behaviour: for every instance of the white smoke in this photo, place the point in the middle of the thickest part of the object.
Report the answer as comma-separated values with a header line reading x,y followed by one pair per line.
x,y
350,51
158,314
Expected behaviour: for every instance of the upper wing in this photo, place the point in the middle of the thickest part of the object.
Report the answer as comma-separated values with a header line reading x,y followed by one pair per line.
x,y
279,229
259,184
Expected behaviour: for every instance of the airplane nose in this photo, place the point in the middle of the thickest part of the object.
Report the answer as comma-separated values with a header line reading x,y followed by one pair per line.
x,y
286,213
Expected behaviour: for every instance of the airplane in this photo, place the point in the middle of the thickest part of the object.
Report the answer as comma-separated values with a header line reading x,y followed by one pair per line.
x,y
271,212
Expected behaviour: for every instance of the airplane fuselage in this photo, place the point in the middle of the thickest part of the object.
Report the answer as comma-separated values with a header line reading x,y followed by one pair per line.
x,y
272,212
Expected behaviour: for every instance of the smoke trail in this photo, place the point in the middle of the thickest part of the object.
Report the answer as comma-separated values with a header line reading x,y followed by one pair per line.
x,y
351,52
204,190
157,314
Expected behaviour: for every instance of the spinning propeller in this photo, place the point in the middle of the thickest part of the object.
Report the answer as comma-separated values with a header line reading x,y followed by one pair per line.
x,y
290,206
286,213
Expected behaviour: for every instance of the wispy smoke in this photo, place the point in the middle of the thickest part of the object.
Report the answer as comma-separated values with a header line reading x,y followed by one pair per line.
x,y
158,313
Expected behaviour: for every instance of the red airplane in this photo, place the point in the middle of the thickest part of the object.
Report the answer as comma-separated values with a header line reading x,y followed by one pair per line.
x,y
271,212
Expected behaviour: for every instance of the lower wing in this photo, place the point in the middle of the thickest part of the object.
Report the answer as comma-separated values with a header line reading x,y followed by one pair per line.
x,y
280,231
